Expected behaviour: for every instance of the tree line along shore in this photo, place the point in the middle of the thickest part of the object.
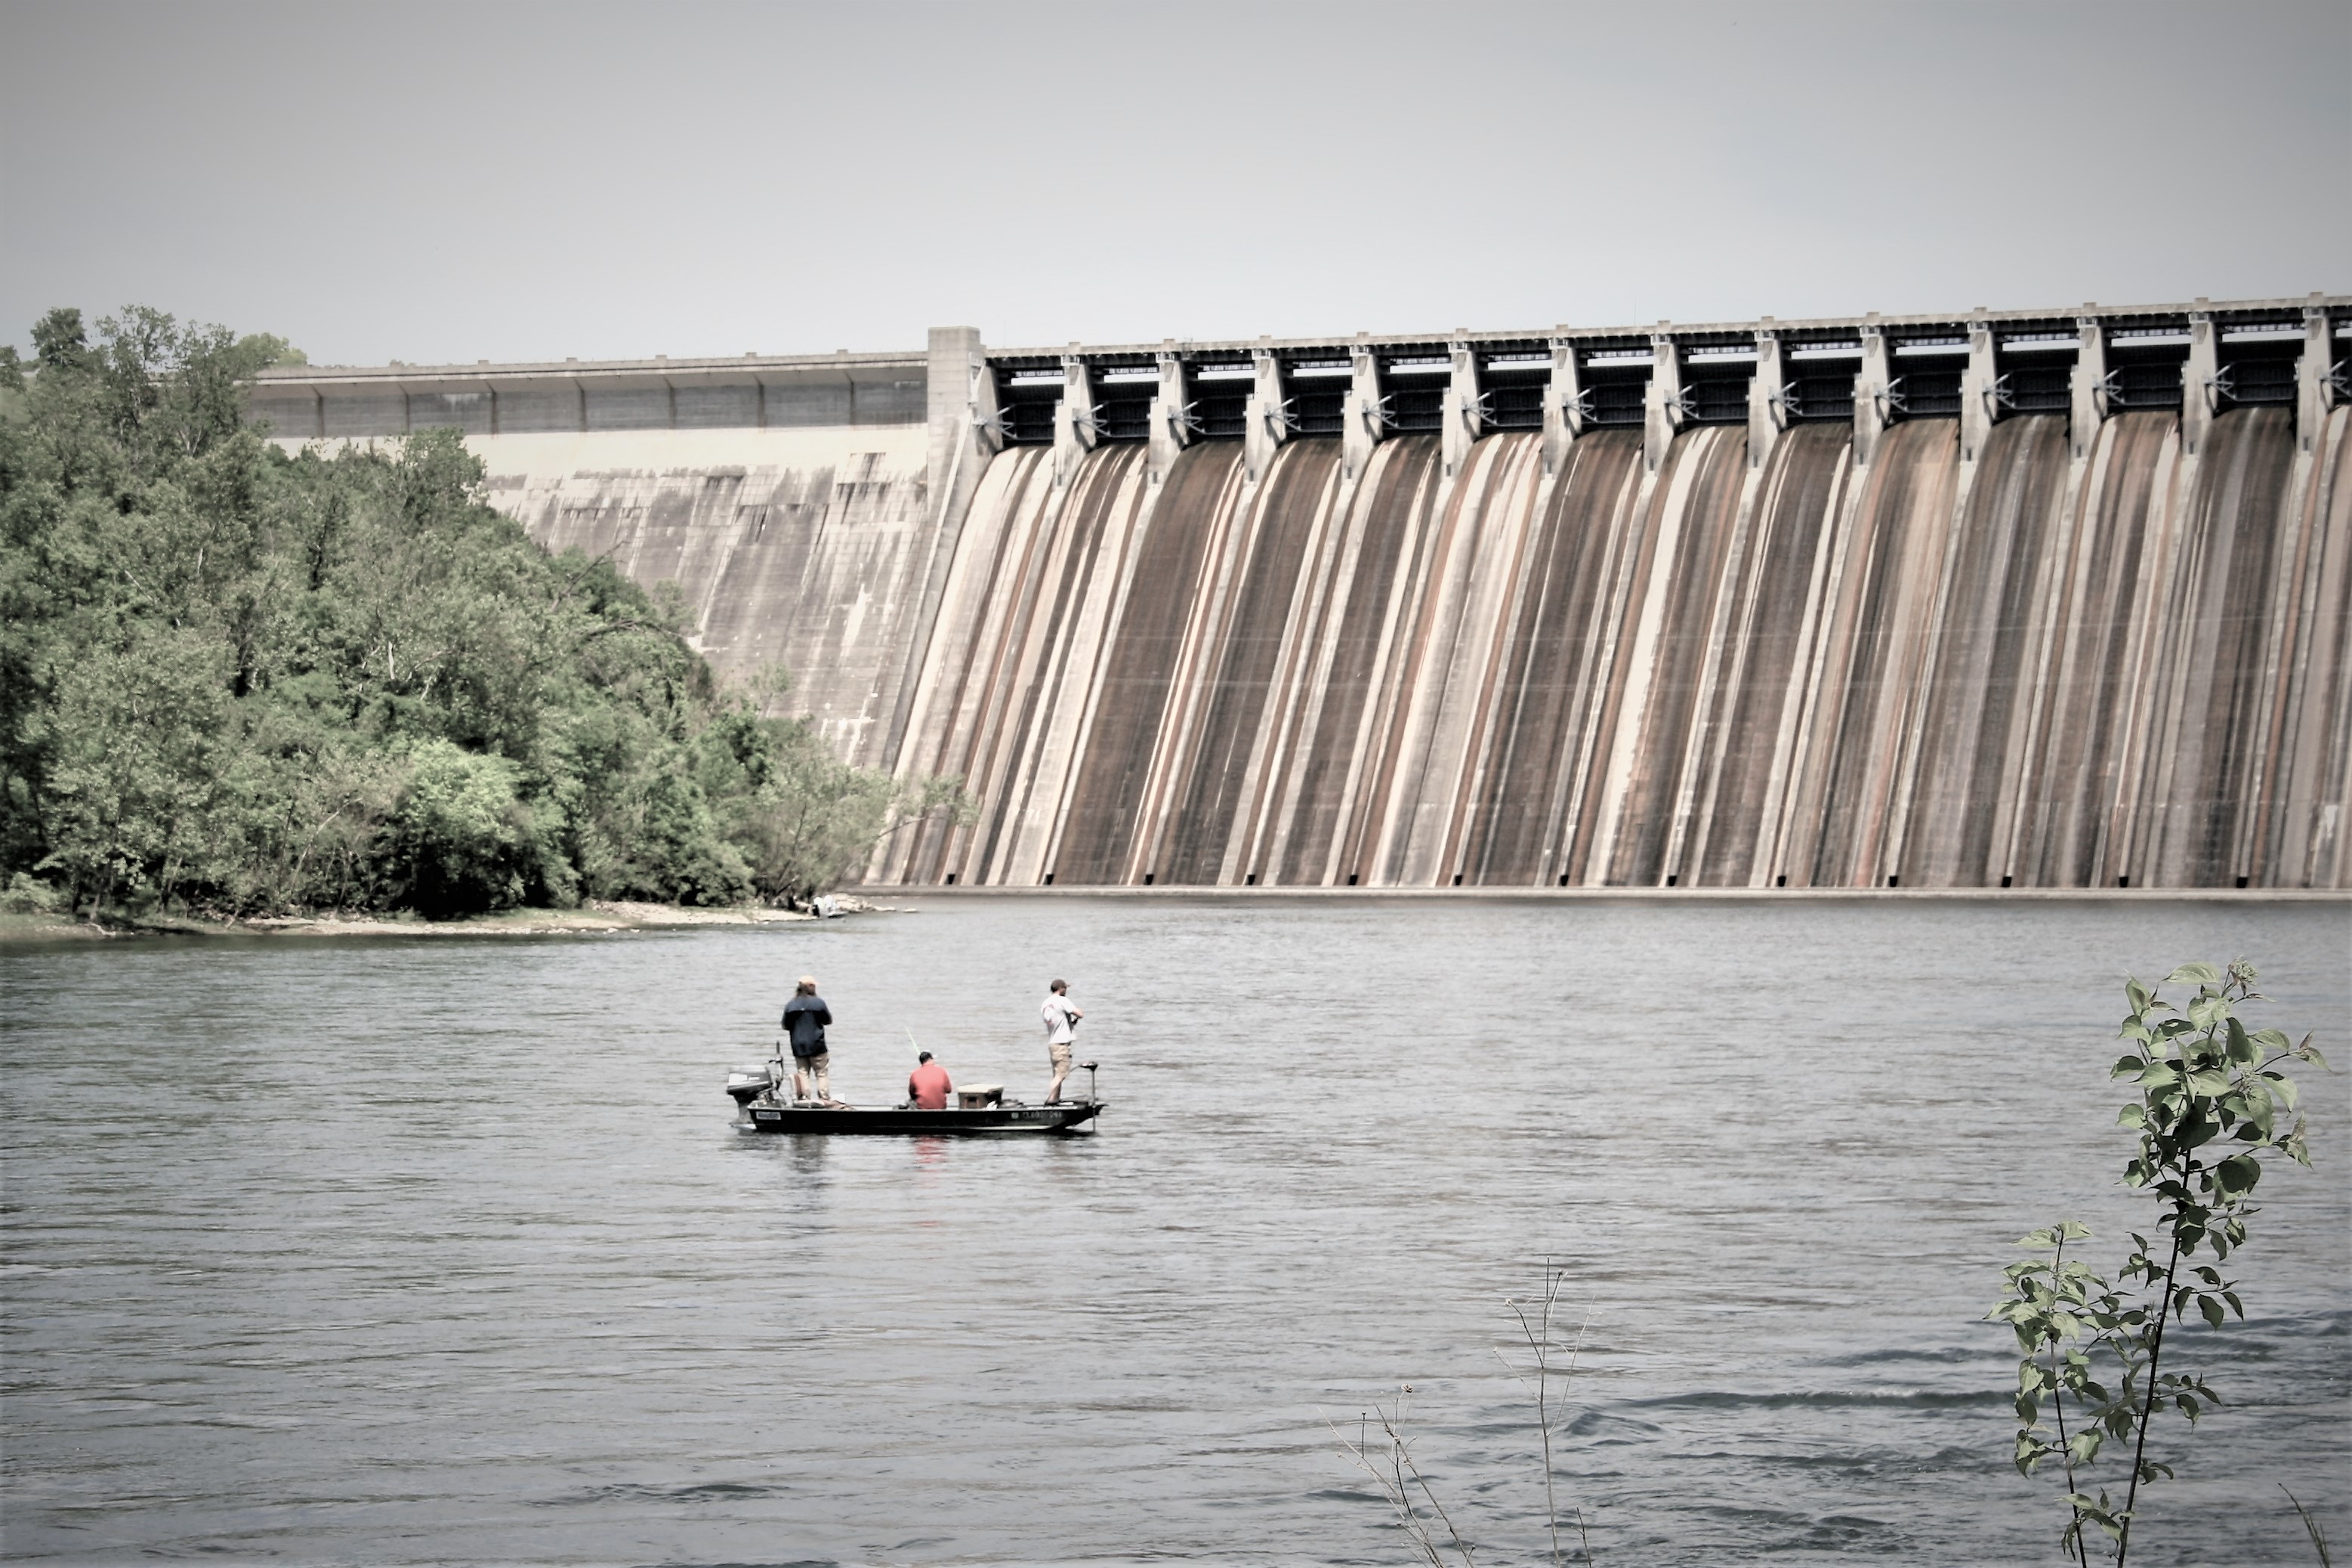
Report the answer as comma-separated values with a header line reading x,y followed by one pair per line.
x,y
240,684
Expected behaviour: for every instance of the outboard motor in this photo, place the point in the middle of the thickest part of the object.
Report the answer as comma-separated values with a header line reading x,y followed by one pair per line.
x,y
752,1079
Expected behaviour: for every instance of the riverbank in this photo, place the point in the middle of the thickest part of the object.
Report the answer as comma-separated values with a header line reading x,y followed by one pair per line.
x,y
1179,891
588,920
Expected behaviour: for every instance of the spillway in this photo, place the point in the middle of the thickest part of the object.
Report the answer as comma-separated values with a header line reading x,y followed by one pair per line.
x,y
2021,672
2027,602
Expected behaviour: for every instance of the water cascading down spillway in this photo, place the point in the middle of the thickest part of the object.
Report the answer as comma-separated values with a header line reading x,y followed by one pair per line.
x,y
2012,599
1868,606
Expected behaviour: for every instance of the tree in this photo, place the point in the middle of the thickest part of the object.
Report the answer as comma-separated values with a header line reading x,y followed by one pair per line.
x,y
239,679
2209,1116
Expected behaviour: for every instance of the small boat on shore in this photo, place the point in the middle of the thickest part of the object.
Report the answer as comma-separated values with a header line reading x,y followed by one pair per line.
x,y
766,1107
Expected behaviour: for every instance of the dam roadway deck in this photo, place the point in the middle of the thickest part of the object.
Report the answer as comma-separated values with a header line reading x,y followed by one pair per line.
x,y
2033,600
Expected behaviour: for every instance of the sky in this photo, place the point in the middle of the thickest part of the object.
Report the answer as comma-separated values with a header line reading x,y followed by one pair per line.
x,y
514,181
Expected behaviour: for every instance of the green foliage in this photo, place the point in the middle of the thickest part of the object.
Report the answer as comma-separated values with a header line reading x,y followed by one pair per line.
x,y
24,896
264,348
2209,1114
236,679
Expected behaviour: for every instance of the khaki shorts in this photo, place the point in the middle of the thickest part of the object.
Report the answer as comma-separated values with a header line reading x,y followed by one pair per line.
x,y
1060,1051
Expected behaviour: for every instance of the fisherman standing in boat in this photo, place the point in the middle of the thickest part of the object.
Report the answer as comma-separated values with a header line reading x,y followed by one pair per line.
x,y
1061,1024
805,1017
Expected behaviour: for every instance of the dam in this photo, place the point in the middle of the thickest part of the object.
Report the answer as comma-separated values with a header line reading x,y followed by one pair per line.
x,y
2002,599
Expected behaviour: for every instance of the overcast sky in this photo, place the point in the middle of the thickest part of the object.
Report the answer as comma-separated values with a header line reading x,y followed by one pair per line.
x,y
517,181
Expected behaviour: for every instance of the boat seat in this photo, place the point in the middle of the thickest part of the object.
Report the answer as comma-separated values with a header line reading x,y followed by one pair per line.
x,y
979,1096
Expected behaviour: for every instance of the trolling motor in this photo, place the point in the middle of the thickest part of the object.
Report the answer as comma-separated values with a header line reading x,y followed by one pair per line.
x,y
1090,1080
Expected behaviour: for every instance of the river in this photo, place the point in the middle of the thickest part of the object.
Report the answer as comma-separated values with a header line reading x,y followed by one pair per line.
x,y
440,1250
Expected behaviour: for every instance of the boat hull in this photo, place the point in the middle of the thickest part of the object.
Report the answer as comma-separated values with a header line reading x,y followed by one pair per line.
x,y
1013,1121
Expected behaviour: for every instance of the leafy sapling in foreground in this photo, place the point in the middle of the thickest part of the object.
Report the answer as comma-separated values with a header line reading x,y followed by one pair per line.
x,y
2211,1112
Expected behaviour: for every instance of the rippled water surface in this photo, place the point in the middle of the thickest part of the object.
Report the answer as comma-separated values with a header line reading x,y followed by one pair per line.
x,y
448,1249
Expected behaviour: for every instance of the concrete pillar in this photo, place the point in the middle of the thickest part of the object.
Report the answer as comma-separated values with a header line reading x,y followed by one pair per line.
x,y
1662,402
1464,421
2311,375
1874,407
2089,387
1073,419
1768,397
1362,420
2199,394
1980,391
960,399
1268,416
1563,407
1171,417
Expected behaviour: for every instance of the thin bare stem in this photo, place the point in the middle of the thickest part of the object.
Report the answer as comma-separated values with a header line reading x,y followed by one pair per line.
x,y
2147,1399
1538,1338
2058,1403
2319,1542
1391,1489
1406,1455
1402,1478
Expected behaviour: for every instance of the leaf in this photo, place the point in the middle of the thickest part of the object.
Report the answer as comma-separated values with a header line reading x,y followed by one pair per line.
x,y
2211,1309
2135,994
2194,973
2238,1174
2294,1146
2235,1305
2310,1053
2126,1064
2209,1084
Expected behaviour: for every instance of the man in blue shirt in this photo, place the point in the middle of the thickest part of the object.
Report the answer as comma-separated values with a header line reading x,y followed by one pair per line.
x,y
805,1017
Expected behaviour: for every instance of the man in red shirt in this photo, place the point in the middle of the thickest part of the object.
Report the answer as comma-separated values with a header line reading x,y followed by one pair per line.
x,y
928,1087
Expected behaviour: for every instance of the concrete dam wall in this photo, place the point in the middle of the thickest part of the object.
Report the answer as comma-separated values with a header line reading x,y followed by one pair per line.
x,y
788,499
804,548
2002,601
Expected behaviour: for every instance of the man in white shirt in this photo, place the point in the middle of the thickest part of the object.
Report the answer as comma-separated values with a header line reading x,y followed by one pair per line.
x,y
1061,1022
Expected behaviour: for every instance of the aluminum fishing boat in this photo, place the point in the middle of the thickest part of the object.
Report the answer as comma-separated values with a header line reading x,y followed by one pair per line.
x,y
764,1104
